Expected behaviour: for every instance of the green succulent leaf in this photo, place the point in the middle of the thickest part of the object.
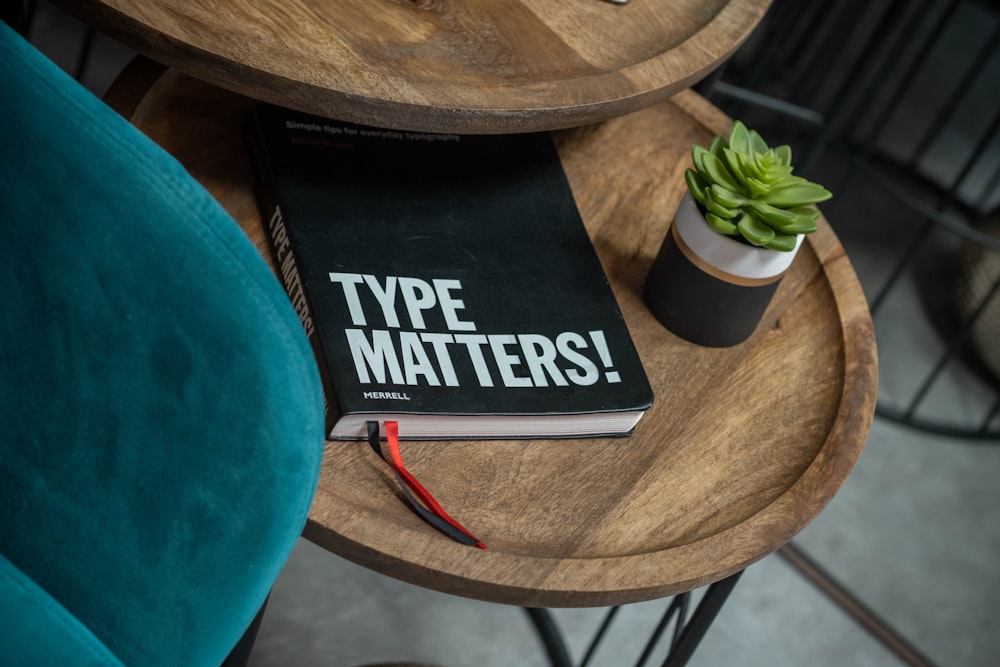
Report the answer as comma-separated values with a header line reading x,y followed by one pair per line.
x,y
757,187
716,171
774,172
784,154
751,167
739,138
787,181
732,160
754,231
718,144
782,220
727,197
718,209
782,242
757,143
796,195
812,213
696,185
697,153
721,226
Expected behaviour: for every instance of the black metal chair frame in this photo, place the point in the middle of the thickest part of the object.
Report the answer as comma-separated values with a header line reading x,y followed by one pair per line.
x,y
888,59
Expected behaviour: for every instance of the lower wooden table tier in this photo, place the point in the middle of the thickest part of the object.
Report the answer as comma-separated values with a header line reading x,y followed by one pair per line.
x,y
438,65
741,449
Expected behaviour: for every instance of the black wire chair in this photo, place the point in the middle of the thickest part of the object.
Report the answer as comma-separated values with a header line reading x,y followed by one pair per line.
x,y
850,76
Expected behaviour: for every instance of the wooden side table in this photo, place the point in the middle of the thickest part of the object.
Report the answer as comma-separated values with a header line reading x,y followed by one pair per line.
x,y
742,448
438,65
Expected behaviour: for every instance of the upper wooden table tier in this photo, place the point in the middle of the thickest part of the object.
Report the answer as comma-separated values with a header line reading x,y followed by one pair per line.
x,y
484,66
742,447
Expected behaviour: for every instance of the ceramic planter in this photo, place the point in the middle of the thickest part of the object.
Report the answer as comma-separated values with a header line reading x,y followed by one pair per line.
x,y
708,288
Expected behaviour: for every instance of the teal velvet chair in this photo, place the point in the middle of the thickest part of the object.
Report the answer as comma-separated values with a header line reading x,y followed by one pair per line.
x,y
161,417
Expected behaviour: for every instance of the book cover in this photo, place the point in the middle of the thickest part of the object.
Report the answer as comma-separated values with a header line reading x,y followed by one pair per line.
x,y
446,281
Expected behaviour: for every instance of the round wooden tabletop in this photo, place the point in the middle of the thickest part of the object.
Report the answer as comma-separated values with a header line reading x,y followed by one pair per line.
x,y
741,449
485,66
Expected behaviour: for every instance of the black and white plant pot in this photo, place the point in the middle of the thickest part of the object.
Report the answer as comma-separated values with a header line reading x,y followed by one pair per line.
x,y
708,288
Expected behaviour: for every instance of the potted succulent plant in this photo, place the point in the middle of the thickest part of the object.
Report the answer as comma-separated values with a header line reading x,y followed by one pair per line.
x,y
736,232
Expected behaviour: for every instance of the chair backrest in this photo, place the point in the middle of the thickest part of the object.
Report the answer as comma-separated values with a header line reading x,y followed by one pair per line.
x,y
161,417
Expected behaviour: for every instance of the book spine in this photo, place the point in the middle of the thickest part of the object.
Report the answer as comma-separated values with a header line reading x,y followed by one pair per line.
x,y
286,267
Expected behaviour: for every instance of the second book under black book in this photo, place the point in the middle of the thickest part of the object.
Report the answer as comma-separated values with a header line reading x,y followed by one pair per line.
x,y
446,281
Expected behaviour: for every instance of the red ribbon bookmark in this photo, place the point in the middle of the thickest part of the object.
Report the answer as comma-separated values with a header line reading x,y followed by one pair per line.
x,y
432,513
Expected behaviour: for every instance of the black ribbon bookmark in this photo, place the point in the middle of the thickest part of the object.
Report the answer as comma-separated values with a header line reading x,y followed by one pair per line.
x,y
432,513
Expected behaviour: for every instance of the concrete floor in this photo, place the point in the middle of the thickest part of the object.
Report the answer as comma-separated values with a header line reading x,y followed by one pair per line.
x,y
913,536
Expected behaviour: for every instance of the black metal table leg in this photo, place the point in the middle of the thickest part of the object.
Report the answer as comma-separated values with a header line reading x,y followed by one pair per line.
x,y
707,610
549,633
686,636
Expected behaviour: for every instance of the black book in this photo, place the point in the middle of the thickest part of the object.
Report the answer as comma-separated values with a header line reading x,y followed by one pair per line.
x,y
446,282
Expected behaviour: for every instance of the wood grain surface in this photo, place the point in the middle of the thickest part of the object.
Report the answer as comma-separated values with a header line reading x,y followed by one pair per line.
x,y
742,448
438,65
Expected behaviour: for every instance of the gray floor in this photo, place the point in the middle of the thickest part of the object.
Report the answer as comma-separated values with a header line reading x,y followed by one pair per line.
x,y
913,535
